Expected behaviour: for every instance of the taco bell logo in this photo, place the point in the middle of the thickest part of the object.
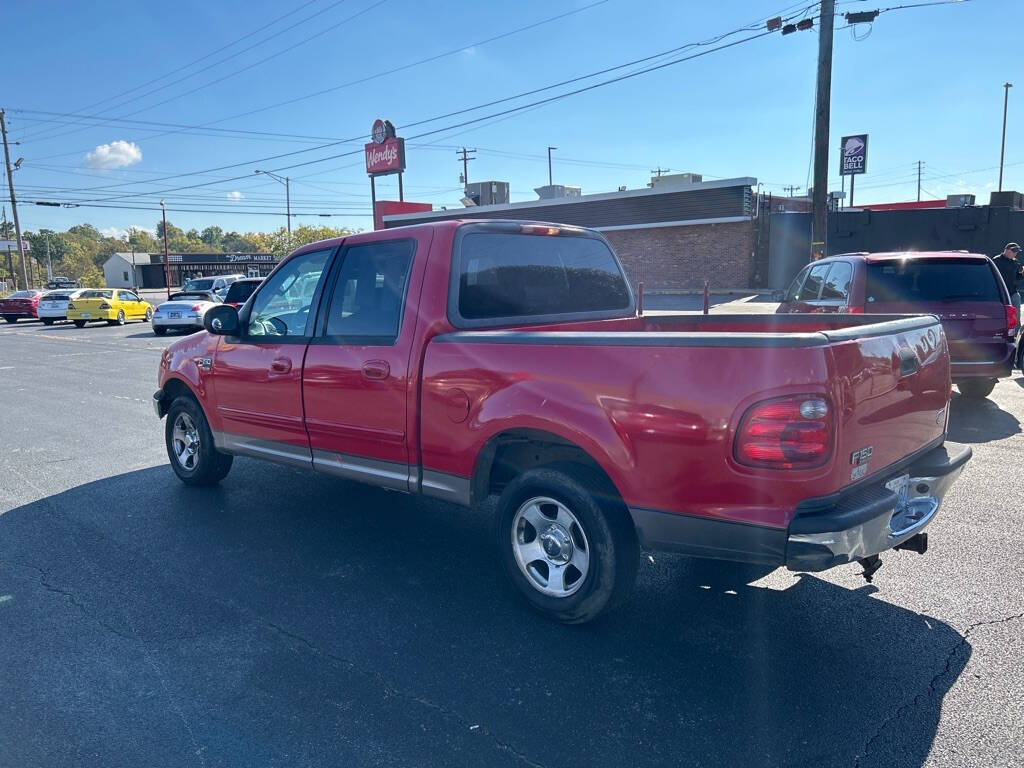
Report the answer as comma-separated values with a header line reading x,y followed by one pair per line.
x,y
854,151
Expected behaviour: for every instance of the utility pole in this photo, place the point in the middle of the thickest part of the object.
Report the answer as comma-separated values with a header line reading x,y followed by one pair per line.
x,y
659,170
791,189
823,103
465,157
549,164
919,181
14,204
288,198
167,267
49,262
1002,149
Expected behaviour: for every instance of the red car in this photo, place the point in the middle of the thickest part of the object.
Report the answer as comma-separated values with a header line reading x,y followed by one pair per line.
x,y
19,305
964,290
462,360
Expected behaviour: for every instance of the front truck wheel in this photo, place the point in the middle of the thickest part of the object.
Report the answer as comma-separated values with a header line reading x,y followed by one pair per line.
x,y
194,458
566,541
976,389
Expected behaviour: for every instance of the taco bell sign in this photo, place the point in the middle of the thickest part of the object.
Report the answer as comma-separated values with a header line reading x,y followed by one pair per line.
x,y
386,152
853,155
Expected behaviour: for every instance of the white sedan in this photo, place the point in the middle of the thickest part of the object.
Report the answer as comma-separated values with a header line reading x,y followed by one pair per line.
x,y
185,309
53,305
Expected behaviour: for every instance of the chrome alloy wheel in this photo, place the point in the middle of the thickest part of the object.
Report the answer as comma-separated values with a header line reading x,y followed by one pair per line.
x,y
185,442
550,546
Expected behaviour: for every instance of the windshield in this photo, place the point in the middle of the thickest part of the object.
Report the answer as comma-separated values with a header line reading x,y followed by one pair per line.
x,y
199,284
240,291
96,294
931,280
22,295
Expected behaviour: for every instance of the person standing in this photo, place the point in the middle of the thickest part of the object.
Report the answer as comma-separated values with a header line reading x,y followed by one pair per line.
x,y
1012,271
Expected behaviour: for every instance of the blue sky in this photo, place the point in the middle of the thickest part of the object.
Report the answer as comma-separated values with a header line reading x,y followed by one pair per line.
x,y
925,83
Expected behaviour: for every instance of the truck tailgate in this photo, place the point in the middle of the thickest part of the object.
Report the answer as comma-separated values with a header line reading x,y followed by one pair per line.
x,y
893,393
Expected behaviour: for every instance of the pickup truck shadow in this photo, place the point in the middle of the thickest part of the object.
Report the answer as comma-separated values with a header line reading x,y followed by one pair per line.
x,y
289,618
979,421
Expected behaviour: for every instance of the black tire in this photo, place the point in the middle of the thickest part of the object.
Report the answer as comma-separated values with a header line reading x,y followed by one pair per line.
x,y
159,330
976,389
149,315
607,530
210,465
47,321
10,319
79,323
119,320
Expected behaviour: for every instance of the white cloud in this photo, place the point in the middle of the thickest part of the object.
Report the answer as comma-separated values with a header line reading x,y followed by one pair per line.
x,y
235,195
115,232
116,154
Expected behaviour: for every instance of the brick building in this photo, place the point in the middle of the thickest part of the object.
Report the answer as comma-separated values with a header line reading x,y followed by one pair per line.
x,y
670,236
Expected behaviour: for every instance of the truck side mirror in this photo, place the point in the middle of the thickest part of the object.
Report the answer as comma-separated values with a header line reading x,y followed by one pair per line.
x,y
221,320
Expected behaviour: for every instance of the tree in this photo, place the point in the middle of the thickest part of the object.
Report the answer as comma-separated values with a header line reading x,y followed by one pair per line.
x,y
213,236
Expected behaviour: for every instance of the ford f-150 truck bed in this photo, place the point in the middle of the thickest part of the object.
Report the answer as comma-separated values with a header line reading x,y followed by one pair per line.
x,y
463,360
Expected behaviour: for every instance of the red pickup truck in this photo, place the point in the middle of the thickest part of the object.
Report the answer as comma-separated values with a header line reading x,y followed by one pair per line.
x,y
463,360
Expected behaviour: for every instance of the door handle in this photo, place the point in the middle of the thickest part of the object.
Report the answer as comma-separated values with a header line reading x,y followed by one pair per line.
x,y
281,365
377,370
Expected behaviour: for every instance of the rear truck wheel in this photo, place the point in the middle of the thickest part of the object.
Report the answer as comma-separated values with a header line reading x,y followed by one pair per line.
x,y
194,458
10,318
976,389
159,330
149,315
47,321
567,545
79,323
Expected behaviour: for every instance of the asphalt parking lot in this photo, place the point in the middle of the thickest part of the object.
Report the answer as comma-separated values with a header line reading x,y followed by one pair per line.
x,y
291,619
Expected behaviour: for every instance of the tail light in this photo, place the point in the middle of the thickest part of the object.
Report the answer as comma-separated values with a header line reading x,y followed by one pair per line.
x,y
1011,320
792,432
104,305
197,307
853,310
71,305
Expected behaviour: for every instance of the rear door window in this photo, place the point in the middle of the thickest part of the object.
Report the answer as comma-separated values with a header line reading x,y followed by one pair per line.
x,y
837,285
508,275
931,281
366,306
813,283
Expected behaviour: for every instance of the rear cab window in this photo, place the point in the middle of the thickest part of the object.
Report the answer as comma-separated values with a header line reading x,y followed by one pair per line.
x,y
520,274
942,280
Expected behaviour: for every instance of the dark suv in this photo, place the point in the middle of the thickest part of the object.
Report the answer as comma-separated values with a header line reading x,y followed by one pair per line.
x,y
241,290
964,290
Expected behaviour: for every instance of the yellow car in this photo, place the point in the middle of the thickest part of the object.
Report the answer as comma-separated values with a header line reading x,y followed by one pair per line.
x,y
116,306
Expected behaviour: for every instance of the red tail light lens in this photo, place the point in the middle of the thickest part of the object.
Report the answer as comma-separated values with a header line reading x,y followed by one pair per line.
x,y
1011,319
197,307
792,432
71,305
853,310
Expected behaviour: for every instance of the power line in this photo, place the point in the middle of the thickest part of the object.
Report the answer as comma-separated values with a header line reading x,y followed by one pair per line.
x,y
211,66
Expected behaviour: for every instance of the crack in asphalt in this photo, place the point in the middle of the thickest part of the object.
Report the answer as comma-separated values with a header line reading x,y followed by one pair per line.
x,y
932,689
390,690
133,637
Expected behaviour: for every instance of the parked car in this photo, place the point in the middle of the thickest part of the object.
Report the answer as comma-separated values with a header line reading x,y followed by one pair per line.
x,y
218,284
964,290
53,305
240,290
61,282
464,359
184,310
20,305
115,306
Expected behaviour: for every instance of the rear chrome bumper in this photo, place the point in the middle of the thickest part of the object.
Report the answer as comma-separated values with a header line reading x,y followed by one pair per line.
x,y
190,321
873,519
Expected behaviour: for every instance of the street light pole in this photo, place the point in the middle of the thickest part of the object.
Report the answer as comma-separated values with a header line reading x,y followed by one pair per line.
x,y
1002,148
14,203
167,267
549,164
287,198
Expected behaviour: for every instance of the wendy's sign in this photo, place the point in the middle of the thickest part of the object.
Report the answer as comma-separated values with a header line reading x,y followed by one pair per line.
x,y
386,153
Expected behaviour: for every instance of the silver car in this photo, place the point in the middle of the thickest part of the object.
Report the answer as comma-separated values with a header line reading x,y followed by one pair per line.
x,y
184,310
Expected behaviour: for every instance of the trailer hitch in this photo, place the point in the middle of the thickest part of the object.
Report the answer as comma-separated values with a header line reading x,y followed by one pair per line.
x,y
871,565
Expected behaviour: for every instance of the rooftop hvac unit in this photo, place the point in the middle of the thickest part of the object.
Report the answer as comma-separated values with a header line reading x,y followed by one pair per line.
x,y
488,192
554,191
676,179
959,201
1006,200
